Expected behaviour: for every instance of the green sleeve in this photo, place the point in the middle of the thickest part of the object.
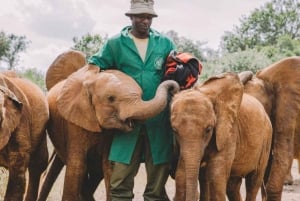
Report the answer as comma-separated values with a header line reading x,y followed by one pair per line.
x,y
103,58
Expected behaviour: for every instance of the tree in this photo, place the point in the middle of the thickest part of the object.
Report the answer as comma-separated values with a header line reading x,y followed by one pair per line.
x,y
265,26
4,45
89,44
10,47
285,47
184,44
247,60
35,76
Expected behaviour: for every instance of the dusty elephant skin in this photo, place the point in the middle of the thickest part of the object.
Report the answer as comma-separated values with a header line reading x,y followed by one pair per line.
x,y
226,131
83,107
277,88
23,117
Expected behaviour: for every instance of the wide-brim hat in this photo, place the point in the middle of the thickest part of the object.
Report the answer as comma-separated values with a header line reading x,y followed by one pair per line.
x,y
141,7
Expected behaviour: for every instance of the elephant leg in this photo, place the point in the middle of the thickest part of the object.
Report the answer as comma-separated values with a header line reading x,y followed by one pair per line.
x,y
76,171
88,187
266,178
18,163
37,165
56,166
278,171
94,175
233,189
106,168
253,183
217,177
275,184
288,180
263,192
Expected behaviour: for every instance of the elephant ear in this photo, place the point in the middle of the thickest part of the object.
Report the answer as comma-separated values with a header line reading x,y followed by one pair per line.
x,y
225,91
64,65
10,114
74,102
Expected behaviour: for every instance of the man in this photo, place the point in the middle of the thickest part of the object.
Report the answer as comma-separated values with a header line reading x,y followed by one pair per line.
x,y
140,52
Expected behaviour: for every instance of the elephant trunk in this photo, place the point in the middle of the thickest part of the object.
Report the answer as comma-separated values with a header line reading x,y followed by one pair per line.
x,y
192,156
143,110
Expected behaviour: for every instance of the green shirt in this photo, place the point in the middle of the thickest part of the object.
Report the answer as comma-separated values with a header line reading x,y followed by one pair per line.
x,y
120,52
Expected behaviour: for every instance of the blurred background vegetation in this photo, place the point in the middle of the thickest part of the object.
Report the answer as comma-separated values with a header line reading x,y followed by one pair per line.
x,y
267,35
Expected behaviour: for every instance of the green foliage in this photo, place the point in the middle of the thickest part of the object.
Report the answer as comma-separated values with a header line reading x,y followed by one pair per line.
x,y
4,45
285,47
266,36
250,59
265,26
10,47
89,44
184,44
35,76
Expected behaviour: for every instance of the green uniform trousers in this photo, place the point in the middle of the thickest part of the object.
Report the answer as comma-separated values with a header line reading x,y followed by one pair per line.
x,y
122,179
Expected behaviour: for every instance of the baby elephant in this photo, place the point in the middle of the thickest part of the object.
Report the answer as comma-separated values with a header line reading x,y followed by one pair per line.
x,y
23,116
225,132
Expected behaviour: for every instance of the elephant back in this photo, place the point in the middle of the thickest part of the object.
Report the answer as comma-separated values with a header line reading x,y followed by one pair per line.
x,y
63,66
30,94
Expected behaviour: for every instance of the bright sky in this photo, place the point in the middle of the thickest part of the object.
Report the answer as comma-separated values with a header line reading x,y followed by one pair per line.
x,y
50,25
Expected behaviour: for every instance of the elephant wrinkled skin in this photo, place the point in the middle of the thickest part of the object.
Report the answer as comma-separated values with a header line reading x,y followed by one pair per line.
x,y
84,108
225,132
277,88
23,117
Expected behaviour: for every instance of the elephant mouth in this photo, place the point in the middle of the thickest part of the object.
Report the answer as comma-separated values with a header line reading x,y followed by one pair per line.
x,y
132,123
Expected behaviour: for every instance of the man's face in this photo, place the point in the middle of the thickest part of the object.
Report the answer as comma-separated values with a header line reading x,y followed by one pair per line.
x,y
141,23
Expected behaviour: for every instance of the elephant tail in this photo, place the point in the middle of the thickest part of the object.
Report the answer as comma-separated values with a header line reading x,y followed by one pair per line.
x,y
63,66
245,76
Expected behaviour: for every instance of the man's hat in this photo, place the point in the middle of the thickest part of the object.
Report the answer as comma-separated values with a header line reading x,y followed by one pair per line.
x,y
140,7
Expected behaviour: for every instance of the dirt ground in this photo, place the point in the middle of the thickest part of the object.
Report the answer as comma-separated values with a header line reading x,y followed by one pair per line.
x,y
291,193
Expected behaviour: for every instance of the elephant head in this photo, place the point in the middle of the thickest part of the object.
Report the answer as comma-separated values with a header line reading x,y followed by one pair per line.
x,y
204,116
108,99
10,112
277,88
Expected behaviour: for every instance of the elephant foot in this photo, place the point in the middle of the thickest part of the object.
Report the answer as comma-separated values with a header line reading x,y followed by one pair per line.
x,y
288,180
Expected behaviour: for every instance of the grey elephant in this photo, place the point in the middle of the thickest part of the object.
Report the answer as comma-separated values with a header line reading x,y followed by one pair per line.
x,y
23,116
83,107
224,133
277,88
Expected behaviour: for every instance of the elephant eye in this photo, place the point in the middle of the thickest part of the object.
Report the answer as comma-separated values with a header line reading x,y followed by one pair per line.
x,y
208,130
111,99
